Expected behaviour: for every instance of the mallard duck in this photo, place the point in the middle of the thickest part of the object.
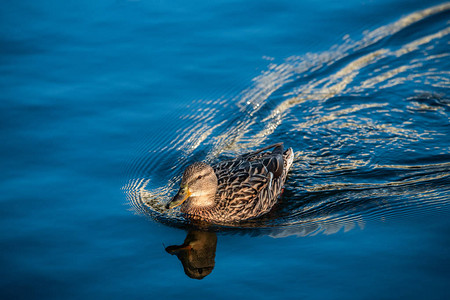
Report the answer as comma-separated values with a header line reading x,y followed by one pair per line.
x,y
234,190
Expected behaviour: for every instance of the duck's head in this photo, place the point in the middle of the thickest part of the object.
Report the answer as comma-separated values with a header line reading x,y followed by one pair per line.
x,y
198,187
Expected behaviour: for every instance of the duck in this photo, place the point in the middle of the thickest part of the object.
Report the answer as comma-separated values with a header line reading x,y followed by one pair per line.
x,y
234,190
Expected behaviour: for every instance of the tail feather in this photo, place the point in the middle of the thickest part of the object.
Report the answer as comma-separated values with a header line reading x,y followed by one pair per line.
x,y
288,157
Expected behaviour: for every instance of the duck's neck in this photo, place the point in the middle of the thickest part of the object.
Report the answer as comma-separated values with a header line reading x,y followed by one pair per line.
x,y
199,203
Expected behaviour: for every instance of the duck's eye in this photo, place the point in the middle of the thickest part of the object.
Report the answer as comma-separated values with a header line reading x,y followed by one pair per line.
x,y
199,177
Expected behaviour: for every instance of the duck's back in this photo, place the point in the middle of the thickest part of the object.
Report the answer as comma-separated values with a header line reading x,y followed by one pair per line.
x,y
250,185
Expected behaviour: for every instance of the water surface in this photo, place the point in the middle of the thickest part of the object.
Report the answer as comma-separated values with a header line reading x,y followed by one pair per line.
x,y
104,105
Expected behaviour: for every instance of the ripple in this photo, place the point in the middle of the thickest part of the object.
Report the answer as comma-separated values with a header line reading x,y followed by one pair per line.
x,y
368,119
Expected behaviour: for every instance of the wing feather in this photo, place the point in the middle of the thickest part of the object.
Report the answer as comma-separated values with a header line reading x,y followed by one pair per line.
x,y
248,185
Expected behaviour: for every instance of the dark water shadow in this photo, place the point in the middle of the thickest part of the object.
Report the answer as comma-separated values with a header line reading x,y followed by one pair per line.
x,y
197,253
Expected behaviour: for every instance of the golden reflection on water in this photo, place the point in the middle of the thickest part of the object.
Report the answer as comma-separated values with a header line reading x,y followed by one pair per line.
x,y
295,101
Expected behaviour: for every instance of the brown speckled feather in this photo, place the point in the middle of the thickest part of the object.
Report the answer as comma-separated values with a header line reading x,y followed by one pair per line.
x,y
249,185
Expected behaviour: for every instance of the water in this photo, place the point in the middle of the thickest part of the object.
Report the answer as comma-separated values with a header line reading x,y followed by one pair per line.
x,y
103,106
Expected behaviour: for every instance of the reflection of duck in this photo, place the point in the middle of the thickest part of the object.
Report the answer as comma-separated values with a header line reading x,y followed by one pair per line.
x,y
234,190
197,253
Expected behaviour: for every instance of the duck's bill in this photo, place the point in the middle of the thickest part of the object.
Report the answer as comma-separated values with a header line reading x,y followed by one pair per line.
x,y
182,195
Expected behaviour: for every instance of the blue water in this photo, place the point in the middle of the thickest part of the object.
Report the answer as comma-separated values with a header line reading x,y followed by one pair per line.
x,y
104,103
